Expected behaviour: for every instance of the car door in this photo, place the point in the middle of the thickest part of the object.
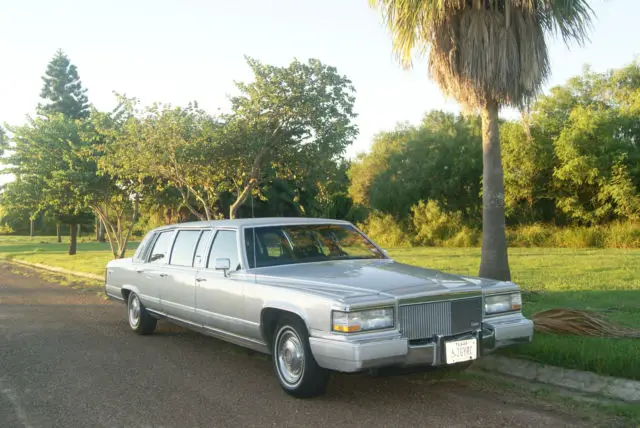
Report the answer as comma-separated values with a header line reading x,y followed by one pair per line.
x,y
178,286
150,275
220,296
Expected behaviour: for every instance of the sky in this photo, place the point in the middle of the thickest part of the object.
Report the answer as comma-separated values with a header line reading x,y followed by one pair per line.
x,y
185,50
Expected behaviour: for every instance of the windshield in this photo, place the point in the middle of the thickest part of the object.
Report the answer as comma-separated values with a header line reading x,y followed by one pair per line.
x,y
280,245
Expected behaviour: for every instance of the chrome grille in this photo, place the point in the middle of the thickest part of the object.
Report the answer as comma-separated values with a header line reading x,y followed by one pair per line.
x,y
424,320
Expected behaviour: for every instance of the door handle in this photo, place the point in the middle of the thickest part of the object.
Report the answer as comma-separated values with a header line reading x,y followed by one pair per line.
x,y
201,279
163,275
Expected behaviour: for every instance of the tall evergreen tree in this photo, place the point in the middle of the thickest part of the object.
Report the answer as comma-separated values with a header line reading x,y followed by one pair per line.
x,y
63,90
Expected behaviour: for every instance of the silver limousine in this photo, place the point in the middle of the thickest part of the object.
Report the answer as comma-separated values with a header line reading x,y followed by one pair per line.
x,y
316,294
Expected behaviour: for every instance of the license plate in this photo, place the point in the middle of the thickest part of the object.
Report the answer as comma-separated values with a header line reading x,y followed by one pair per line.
x,y
461,350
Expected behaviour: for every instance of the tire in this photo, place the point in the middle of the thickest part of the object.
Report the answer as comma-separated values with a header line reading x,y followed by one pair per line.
x,y
139,319
299,377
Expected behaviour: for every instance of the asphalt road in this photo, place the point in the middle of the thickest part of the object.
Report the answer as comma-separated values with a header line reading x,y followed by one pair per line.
x,y
68,359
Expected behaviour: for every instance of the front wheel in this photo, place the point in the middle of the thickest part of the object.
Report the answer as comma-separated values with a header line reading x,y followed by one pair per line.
x,y
140,320
297,371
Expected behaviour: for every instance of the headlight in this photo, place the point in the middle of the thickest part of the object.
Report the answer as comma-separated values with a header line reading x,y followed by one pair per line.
x,y
502,303
373,319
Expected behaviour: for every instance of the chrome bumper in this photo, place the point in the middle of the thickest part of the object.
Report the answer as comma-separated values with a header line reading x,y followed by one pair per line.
x,y
390,349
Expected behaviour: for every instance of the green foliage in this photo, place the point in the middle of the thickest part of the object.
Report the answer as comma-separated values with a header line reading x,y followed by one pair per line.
x,y
385,230
63,90
291,122
575,163
4,143
51,172
438,160
433,226
592,124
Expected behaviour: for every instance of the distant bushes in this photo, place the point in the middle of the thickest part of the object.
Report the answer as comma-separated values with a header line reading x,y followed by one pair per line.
x,y
385,230
430,225
5,229
614,235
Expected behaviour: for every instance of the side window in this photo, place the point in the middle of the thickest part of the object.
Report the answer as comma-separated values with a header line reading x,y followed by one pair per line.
x,y
160,250
141,252
184,247
224,246
201,251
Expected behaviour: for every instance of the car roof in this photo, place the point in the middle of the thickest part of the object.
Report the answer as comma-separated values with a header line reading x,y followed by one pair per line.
x,y
257,221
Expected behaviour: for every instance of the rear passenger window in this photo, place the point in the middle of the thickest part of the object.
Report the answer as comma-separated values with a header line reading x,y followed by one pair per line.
x,y
224,246
160,250
184,247
201,251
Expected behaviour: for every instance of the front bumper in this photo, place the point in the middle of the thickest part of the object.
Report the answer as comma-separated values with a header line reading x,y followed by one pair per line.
x,y
390,349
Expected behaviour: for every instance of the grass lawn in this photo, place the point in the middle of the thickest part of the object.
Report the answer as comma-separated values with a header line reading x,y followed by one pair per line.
x,y
603,280
91,256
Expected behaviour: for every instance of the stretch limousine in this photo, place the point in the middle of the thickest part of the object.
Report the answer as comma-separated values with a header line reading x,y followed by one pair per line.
x,y
316,294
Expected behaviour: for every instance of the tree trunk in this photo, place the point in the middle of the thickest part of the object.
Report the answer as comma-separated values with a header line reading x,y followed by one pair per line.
x,y
100,230
73,232
58,235
494,261
233,210
31,228
79,230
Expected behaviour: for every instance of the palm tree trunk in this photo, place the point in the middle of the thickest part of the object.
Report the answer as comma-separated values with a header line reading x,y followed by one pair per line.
x,y
494,261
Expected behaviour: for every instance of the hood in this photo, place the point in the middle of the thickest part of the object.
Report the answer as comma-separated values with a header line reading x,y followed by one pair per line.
x,y
354,278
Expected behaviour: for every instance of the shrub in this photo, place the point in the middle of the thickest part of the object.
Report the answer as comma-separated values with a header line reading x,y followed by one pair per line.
x,y
622,235
578,237
432,225
5,229
534,235
466,237
385,230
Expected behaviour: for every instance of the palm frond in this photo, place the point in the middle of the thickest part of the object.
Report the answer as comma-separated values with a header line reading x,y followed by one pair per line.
x,y
480,50
579,323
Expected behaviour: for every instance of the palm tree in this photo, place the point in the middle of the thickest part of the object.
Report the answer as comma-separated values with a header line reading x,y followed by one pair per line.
x,y
486,54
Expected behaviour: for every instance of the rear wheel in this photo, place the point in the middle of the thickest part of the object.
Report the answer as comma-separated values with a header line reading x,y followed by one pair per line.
x,y
140,320
296,369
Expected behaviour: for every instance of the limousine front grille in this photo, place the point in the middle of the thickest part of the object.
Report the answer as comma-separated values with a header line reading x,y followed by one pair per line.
x,y
446,318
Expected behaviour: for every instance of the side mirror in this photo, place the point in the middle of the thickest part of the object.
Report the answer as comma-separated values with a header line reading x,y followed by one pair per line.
x,y
223,265
156,256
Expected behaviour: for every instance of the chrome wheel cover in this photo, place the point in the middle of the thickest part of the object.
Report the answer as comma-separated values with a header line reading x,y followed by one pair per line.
x,y
289,356
134,311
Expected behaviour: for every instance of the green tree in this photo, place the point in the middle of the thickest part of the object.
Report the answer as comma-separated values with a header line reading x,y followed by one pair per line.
x,y
47,154
62,89
367,166
590,125
486,54
21,199
440,159
297,119
528,162
172,147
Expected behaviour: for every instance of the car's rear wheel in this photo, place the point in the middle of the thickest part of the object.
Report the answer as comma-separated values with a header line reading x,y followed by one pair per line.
x,y
140,320
296,369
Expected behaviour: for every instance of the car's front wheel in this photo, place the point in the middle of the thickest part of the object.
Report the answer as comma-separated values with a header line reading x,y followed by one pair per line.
x,y
140,320
297,371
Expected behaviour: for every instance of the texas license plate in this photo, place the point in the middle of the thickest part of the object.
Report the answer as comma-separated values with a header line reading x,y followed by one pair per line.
x,y
461,350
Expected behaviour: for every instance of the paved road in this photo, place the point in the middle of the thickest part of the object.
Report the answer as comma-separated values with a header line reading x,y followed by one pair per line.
x,y
68,359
